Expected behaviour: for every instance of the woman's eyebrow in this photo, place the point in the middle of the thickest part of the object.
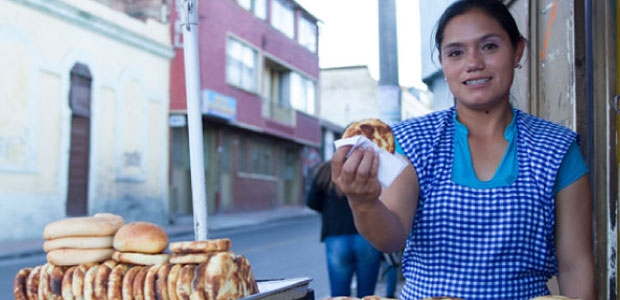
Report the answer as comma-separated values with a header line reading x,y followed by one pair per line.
x,y
460,43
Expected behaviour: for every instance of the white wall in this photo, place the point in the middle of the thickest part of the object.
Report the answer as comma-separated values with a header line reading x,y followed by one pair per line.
x,y
129,62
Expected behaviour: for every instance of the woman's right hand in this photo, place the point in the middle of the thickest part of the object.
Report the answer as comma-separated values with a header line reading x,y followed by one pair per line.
x,y
356,175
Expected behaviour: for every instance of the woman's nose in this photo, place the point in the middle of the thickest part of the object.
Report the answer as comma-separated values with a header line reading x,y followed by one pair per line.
x,y
474,61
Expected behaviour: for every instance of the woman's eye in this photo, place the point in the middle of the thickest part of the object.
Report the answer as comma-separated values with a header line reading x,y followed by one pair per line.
x,y
454,53
489,46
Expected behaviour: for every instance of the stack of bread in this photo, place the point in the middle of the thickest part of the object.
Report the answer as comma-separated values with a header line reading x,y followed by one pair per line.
x,y
81,240
131,263
211,268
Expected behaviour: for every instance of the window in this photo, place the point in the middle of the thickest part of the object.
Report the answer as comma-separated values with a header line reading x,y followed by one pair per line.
x,y
257,7
241,65
302,94
258,158
283,17
307,34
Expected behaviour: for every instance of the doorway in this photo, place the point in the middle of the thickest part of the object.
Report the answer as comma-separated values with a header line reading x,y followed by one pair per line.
x,y
79,151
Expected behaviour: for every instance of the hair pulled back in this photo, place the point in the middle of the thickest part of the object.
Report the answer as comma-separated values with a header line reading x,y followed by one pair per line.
x,y
494,8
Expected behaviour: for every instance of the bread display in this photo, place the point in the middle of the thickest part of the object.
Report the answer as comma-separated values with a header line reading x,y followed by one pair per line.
x,y
101,257
375,130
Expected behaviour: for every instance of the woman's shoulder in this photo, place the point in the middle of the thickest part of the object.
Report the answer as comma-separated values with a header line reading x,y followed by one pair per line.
x,y
428,122
540,128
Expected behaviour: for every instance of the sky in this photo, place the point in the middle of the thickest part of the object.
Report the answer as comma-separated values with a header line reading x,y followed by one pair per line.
x,y
348,35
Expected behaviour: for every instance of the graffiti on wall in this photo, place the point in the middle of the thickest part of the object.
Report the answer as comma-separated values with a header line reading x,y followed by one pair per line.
x,y
553,9
14,152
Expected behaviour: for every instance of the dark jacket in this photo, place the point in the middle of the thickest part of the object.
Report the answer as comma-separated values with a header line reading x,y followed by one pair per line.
x,y
336,215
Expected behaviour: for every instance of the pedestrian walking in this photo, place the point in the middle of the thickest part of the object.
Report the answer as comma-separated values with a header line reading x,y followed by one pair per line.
x,y
348,253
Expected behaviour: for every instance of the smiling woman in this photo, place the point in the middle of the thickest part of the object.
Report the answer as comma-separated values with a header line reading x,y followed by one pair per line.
x,y
495,201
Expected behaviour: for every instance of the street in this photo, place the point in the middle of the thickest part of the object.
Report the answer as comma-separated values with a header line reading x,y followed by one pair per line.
x,y
280,249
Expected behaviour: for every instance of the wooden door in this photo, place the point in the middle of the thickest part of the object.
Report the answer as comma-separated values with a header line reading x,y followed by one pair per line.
x,y
79,152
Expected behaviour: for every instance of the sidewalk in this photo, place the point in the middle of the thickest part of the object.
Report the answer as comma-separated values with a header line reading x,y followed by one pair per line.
x,y
183,225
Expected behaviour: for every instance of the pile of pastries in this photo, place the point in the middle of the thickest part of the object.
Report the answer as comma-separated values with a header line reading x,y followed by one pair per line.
x,y
101,257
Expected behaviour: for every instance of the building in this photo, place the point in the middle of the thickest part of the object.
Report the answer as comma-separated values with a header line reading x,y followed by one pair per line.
x,y
259,70
84,93
350,93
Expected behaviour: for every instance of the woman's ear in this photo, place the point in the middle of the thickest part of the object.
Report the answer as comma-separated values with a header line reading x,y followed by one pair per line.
x,y
519,51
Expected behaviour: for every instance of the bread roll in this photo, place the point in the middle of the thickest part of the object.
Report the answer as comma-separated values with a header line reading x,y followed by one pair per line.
x,y
56,274
128,279
71,257
32,283
161,283
140,258
67,280
101,279
192,258
173,276
150,282
200,246
184,282
115,281
77,282
138,283
19,284
89,282
82,226
81,242
141,237
375,130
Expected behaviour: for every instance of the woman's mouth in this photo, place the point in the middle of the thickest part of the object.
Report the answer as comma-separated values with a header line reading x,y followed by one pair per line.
x,y
477,81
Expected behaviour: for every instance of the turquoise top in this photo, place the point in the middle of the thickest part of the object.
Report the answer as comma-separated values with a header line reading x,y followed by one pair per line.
x,y
572,168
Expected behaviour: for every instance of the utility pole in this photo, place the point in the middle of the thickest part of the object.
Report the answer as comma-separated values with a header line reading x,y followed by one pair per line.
x,y
388,92
189,24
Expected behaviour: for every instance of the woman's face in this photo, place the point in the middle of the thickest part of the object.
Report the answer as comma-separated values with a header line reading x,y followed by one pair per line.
x,y
478,60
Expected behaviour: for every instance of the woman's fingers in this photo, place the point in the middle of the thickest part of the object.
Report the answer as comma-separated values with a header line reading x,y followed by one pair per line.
x,y
357,174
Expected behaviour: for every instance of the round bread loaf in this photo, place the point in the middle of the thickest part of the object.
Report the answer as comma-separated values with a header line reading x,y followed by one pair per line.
x,y
200,246
32,283
70,257
375,130
115,281
67,279
80,242
192,258
140,237
173,277
19,284
143,259
101,225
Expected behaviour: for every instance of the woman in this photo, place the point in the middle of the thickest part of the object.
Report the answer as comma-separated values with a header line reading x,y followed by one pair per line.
x,y
495,201
347,252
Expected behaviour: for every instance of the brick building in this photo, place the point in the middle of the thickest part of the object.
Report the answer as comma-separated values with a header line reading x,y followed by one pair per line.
x,y
259,70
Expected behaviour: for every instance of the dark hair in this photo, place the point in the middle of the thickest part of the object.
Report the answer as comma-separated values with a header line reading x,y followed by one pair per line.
x,y
494,8
323,174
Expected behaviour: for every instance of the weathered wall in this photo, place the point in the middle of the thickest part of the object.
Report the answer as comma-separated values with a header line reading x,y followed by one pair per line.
x,y
129,63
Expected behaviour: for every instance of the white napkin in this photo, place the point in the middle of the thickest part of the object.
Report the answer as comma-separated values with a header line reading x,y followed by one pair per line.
x,y
390,165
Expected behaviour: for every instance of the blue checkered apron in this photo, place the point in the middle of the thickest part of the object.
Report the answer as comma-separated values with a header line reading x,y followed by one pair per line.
x,y
495,243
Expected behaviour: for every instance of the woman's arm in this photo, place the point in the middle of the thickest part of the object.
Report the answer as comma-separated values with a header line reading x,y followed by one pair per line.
x,y
573,230
383,216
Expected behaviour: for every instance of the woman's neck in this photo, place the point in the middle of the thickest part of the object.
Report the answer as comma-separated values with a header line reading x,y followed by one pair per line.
x,y
485,123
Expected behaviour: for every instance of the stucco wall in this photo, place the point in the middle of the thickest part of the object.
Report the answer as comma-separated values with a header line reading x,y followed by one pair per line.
x,y
129,63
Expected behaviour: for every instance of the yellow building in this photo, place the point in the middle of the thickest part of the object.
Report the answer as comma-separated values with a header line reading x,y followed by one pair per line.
x,y
84,97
